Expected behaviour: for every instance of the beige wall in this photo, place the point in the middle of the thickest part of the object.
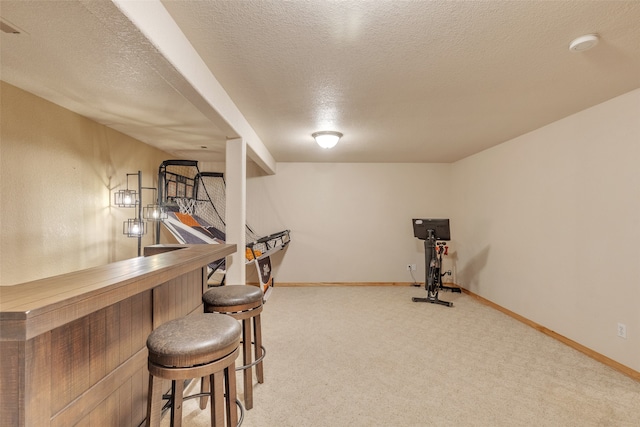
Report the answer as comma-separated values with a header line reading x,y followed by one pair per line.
x,y
58,170
549,226
349,222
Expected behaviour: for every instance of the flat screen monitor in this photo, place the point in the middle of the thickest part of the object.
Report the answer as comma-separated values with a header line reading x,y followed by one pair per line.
x,y
439,226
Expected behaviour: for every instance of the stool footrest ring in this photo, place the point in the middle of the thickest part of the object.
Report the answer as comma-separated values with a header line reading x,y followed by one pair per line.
x,y
195,395
255,362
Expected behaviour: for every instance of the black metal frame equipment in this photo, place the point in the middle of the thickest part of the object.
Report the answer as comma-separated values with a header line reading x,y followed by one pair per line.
x,y
433,232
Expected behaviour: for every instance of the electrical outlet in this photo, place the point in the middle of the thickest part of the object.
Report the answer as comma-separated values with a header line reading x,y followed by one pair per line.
x,y
622,330
411,267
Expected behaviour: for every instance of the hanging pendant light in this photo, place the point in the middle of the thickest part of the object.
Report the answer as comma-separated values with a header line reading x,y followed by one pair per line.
x,y
134,227
154,212
125,198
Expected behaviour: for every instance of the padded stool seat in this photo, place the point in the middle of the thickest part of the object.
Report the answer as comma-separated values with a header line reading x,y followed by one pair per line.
x,y
234,295
200,345
242,302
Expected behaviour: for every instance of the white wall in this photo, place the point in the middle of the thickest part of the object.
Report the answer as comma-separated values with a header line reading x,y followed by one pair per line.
x,y
349,222
549,226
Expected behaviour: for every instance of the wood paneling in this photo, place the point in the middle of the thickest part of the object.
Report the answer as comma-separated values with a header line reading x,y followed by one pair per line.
x,y
79,357
10,382
85,354
37,383
178,298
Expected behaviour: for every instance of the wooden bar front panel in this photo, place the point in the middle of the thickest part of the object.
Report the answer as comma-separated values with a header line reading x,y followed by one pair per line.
x,y
91,371
91,348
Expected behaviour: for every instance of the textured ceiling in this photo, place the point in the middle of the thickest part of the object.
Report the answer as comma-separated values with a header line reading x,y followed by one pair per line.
x,y
89,58
429,81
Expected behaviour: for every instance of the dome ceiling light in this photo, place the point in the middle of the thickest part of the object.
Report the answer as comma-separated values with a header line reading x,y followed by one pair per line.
x,y
583,43
327,138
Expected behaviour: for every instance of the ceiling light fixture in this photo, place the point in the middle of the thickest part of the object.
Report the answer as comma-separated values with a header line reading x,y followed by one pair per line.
x,y
583,43
327,138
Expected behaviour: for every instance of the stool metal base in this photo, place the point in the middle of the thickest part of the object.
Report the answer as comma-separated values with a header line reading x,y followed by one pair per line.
x,y
250,319
169,399
255,362
217,373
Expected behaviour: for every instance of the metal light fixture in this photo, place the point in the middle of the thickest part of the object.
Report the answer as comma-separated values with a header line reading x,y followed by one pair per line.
x,y
327,138
154,212
126,198
137,227
134,227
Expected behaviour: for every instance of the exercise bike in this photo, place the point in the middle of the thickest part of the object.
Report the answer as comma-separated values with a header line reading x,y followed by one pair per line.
x,y
432,230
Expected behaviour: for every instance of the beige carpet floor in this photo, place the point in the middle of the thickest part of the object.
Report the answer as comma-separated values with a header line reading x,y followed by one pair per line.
x,y
369,356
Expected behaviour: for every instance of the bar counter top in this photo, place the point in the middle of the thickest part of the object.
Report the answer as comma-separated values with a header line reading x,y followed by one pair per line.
x,y
32,308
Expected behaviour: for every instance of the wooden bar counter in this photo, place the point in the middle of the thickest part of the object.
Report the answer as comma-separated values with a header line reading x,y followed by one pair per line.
x,y
73,347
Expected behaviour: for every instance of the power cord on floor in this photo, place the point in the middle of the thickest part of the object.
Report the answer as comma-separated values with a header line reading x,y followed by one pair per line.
x,y
415,283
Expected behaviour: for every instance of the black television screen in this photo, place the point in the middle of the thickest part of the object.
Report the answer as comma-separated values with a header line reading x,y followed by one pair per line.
x,y
439,226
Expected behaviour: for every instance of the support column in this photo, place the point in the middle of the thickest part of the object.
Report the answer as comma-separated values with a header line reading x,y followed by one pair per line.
x,y
236,205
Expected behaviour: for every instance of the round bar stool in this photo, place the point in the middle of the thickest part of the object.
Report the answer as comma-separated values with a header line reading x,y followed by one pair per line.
x,y
197,346
242,302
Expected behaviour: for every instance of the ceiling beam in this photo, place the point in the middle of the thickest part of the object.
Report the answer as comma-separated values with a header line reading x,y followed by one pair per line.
x,y
203,89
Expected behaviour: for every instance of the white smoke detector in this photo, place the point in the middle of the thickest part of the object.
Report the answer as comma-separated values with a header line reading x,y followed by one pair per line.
x,y
583,43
